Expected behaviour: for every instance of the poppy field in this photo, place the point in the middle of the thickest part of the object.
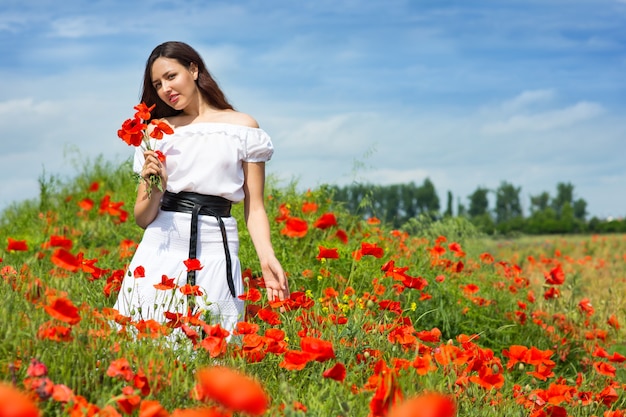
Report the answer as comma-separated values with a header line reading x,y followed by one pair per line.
x,y
379,322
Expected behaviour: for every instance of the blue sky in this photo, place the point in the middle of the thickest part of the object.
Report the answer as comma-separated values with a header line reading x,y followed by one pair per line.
x,y
468,93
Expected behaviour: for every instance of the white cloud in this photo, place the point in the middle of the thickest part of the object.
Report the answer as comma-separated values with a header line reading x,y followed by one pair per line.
x,y
83,27
548,120
528,98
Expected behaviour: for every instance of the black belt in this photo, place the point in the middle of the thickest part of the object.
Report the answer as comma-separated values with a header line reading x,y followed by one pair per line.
x,y
209,205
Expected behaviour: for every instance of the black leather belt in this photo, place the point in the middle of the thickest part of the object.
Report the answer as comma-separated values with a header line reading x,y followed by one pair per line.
x,y
208,205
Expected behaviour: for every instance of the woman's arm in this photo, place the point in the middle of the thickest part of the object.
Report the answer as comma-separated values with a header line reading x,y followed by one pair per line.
x,y
259,228
147,205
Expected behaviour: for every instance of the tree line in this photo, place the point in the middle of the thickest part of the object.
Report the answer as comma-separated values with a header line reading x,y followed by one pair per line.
x,y
397,204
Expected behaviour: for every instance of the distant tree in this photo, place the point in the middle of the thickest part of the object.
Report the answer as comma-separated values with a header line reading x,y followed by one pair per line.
x,y
461,211
539,202
448,212
580,209
543,221
564,195
409,200
508,205
427,198
567,221
478,202
389,198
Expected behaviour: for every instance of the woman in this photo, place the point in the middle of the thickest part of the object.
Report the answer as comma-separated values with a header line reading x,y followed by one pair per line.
x,y
215,157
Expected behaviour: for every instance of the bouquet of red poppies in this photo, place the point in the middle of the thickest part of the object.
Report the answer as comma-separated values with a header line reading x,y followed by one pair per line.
x,y
135,132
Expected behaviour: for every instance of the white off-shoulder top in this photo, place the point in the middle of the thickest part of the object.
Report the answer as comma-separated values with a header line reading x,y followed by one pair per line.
x,y
207,157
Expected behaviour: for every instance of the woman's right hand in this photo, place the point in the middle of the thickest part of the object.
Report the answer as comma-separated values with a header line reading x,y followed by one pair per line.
x,y
153,166
148,201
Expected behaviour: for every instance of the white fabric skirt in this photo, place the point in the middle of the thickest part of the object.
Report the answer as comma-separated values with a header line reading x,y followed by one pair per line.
x,y
163,248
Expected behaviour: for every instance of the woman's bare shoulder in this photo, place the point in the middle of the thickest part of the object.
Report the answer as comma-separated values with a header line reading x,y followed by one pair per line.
x,y
237,118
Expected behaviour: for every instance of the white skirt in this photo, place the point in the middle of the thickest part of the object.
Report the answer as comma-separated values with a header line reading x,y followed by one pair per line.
x,y
163,248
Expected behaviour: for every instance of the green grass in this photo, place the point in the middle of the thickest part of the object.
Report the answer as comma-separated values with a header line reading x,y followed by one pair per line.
x,y
490,315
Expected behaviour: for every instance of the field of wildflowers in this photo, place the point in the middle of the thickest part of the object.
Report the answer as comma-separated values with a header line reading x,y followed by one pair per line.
x,y
379,323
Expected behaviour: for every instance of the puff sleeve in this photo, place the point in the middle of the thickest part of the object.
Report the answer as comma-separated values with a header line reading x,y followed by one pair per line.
x,y
257,146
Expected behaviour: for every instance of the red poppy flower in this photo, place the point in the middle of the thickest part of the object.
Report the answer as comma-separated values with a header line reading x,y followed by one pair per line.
x,y
295,227
233,390
160,156
58,242
388,392
404,335
337,372
86,204
152,408
62,393
269,316
551,293
139,272
417,283
486,258
424,364
284,212
120,368
613,322
48,331
436,251
215,343
542,372
159,129
488,379
189,289
296,360
64,259
586,307
608,396
112,208
325,221
243,327
16,245
36,368
127,247
14,403
433,335
64,310
604,368
129,401
515,353
427,405
342,235
141,382
327,253
309,207
371,249
193,264
275,334
538,357
556,276
253,295
456,248
321,350
93,187
166,283
132,131
143,111
200,412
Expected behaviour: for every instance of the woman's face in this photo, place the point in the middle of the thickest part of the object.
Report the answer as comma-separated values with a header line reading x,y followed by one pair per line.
x,y
174,83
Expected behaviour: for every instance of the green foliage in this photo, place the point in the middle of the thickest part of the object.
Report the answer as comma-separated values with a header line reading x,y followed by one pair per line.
x,y
465,296
397,204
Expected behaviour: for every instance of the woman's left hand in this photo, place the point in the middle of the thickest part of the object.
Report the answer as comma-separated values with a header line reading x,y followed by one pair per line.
x,y
275,279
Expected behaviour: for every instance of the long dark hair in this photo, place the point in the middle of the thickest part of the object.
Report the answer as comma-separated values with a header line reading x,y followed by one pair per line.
x,y
185,55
